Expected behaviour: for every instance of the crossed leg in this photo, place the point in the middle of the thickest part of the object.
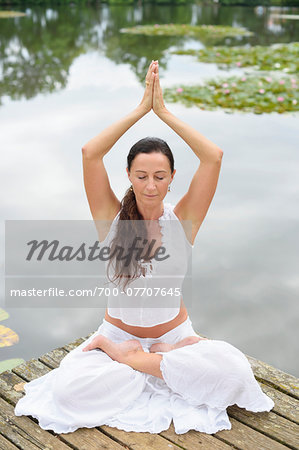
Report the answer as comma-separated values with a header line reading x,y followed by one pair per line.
x,y
130,352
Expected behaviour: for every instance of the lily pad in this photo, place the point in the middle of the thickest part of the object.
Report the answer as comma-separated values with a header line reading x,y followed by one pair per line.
x,y
10,364
3,314
277,57
209,31
251,93
9,14
7,336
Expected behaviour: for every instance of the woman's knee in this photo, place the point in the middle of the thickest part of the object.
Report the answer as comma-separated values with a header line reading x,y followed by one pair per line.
x,y
85,385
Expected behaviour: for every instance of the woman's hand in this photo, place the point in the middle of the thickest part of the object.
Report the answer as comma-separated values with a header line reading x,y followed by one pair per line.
x,y
96,342
158,102
147,100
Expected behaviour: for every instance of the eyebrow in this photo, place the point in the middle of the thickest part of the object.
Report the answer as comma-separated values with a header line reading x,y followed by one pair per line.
x,y
157,171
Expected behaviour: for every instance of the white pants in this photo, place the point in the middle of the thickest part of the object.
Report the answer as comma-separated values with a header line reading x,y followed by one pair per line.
x,y
200,381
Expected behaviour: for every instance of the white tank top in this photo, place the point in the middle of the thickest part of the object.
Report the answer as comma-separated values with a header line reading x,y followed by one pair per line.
x,y
155,297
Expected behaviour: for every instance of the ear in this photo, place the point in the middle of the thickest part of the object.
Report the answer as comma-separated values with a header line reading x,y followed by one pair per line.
x,y
173,174
128,173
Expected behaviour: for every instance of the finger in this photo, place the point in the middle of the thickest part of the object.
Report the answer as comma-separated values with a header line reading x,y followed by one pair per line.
x,y
149,82
157,83
150,69
88,347
150,66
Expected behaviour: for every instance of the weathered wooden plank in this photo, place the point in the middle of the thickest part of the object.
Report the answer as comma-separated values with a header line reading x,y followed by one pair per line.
x,y
239,436
24,432
89,439
8,380
53,358
6,445
139,441
269,423
246,438
20,438
285,405
193,440
30,367
282,381
74,344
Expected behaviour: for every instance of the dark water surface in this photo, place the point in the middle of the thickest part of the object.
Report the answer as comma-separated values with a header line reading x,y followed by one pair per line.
x,y
65,74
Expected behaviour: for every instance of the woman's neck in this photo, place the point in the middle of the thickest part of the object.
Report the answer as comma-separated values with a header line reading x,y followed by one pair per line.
x,y
151,213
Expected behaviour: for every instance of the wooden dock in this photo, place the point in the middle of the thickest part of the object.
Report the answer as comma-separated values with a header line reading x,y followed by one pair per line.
x,y
274,430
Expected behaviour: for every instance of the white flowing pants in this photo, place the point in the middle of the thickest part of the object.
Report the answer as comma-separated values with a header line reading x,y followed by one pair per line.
x,y
200,381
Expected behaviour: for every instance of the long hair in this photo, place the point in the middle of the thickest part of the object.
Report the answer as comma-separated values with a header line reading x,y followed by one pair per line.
x,y
127,227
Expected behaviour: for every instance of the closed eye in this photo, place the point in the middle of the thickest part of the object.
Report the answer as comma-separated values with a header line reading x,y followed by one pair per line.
x,y
142,178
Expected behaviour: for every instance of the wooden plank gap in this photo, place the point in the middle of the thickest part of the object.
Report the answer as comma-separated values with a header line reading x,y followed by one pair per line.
x,y
276,387
6,444
113,438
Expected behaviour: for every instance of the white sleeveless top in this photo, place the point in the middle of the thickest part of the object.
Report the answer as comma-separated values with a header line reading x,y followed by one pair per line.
x,y
155,297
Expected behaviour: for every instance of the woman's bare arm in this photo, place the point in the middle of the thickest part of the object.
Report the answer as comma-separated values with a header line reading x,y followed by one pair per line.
x,y
103,203
195,203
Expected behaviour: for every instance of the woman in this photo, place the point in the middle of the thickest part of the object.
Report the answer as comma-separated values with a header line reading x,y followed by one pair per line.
x,y
145,365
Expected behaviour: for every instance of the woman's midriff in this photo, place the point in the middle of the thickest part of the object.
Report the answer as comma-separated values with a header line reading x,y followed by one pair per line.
x,y
150,332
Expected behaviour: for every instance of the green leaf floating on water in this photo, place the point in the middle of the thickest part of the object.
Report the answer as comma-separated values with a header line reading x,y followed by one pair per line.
x,y
250,93
210,31
282,57
10,363
3,314
9,14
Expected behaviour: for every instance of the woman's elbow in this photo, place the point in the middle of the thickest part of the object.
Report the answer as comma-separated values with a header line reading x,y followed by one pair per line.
x,y
86,152
218,155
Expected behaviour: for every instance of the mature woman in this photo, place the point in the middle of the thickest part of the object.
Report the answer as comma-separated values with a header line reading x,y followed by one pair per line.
x,y
145,365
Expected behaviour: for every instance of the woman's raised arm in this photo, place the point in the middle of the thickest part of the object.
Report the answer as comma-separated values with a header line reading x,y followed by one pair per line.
x,y
195,203
102,201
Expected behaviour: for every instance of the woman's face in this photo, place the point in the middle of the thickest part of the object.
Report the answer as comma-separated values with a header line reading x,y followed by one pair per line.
x,y
150,176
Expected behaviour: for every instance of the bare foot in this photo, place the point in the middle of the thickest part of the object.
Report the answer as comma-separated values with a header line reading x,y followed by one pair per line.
x,y
162,347
117,352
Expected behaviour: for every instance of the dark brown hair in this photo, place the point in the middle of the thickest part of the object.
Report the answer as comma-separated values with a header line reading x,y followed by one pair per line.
x,y
129,213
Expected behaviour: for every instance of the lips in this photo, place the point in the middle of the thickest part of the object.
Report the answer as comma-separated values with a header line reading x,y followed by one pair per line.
x,y
150,196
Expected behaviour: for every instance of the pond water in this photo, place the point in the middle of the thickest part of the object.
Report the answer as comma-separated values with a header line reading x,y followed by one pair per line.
x,y
66,73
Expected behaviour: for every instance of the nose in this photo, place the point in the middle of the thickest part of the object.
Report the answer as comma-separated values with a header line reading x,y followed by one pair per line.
x,y
151,186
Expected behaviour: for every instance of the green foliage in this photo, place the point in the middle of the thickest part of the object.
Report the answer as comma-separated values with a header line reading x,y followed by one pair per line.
x,y
275,57
251,93
258,2
204,32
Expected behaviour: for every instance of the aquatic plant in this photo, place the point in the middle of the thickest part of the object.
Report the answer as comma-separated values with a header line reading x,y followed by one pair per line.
x,y
8,337
276,57
9,14
209,31
251,93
